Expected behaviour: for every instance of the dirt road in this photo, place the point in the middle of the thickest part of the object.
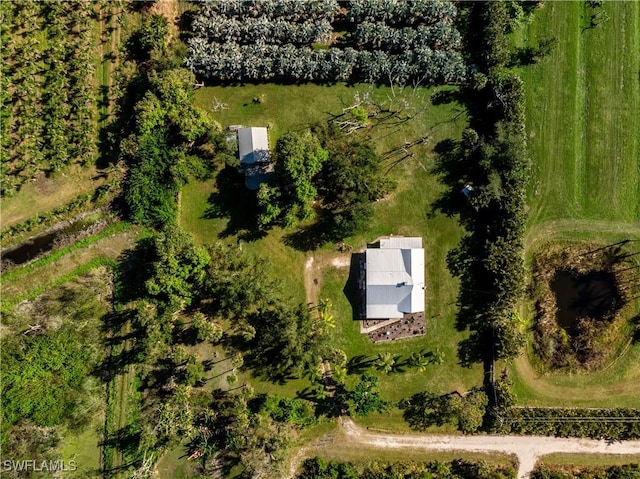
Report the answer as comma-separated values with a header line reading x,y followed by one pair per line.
x,y
528,448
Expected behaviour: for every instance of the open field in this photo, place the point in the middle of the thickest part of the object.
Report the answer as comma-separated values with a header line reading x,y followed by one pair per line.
x,y
584,141
84,448
582,114
45,194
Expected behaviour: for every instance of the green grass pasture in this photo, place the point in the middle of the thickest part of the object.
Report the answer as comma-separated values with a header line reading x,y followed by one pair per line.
x,y
582,114
583,131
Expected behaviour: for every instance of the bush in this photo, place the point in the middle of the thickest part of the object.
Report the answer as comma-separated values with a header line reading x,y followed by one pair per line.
x,y
43,377
154,33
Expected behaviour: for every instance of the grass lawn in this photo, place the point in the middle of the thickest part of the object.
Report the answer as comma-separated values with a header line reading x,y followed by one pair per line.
x,y
584,140
84,448
45,194
404,213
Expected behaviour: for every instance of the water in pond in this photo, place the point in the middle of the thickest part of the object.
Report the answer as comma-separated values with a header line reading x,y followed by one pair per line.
x,y
43,243
592,294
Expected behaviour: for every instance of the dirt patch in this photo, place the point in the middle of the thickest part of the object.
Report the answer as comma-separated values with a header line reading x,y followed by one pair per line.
x,y
341,262
312,280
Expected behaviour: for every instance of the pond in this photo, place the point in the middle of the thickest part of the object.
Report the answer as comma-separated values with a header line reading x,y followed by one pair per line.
x,y
43,243
593,294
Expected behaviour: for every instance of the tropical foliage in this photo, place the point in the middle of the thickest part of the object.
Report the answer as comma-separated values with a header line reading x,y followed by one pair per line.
x,y
614,423
318,468
326,174
426,409
627,471
164,151
274,40
47,96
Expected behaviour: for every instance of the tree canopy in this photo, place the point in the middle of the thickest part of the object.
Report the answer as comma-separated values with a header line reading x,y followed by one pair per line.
x,y
164,150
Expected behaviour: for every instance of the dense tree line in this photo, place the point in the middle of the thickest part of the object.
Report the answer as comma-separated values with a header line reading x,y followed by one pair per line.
x,y
295,11
318,468
241,41
48,101
172,141
222,29
627,471
492,159
259,62
401,13
610,423
380,36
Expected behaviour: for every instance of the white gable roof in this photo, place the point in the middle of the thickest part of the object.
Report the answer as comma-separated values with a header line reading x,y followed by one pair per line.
x,y
253,145
395,278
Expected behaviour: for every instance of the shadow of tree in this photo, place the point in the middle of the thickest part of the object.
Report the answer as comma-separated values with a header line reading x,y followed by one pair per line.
x,y
635,321
125,440
308,237
233,201
425,409
359,364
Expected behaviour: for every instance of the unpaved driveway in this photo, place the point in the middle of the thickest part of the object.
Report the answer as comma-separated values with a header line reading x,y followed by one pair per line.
x,y
528,448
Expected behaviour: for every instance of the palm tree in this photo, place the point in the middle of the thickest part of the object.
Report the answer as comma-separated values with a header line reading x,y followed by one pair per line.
x,y
237,360
437,357
420,361
339,374
324,308
321,393
385,362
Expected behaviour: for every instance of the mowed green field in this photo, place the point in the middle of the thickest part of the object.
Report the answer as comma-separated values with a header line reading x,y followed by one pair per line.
x,y
582,114
583,123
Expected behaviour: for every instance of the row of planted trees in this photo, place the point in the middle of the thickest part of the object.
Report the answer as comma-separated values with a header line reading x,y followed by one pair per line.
x,y
492,159
48,99
272,40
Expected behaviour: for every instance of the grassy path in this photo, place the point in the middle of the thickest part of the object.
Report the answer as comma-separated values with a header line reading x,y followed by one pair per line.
x,y
588,229
122,386
613,386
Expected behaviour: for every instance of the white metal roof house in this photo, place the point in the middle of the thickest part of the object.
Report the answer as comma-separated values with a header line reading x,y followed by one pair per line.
x,y
253,150
394,278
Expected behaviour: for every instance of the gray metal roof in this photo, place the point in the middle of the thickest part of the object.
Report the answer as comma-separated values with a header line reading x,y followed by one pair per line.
x,y
401,242
253,145
395,278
